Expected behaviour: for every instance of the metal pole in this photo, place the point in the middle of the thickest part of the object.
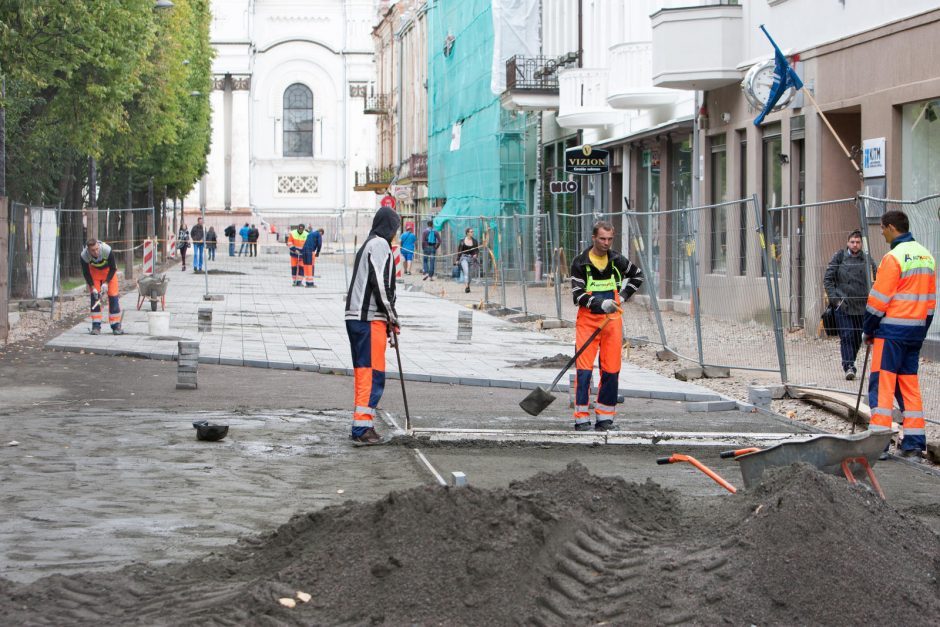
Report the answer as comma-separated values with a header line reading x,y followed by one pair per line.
x,y
342,239
38,267
556,260
692,255
520,240
55,264
129,232
778,331
3,139
499,261
485,238
205,257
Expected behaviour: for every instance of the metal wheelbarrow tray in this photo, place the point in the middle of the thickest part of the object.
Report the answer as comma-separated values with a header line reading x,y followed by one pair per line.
x,y
154,288
825,452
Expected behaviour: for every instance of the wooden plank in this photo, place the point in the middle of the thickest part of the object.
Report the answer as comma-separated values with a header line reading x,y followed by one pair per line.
x,y
845,399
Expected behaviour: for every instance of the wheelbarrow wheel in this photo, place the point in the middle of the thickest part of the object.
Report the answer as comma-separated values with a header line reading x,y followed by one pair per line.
x,y
153,304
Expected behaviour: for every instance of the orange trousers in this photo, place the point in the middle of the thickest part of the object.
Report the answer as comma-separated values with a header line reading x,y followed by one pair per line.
x,y
609,345
367,341
98,277
894,376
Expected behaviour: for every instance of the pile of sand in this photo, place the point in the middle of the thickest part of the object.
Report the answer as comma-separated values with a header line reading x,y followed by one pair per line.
x,y
558,548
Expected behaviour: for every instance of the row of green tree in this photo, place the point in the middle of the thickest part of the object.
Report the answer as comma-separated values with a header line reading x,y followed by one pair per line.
x,y
120,84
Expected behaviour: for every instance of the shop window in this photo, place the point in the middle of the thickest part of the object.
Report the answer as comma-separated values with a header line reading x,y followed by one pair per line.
x,y
298,121
772,170
719,215
648,202
743,211
920,149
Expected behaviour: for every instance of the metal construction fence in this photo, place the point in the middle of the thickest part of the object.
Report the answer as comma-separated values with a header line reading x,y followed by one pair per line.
x,y
45,244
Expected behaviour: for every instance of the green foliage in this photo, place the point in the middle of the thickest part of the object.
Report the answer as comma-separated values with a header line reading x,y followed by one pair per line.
x,y
105,79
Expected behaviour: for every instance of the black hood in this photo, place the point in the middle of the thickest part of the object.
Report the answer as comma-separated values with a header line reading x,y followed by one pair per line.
x,y
385,224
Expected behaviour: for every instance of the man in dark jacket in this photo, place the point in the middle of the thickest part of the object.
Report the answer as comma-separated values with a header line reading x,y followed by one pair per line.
x,y
198,235
253,235
370,318
430,242
601,279
230,233
847,287
310,252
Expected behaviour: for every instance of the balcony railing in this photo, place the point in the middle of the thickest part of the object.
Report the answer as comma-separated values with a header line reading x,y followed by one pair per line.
x,y
373,179
532,73
583,99
377,104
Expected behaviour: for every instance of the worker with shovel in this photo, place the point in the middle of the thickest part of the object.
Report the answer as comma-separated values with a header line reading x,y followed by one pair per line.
x,y
601,279
100,270
370,320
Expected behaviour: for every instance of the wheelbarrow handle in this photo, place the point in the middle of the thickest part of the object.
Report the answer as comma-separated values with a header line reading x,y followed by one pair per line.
x,y
737,453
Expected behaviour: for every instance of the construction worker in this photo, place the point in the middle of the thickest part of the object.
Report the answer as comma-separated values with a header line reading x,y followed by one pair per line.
x,y
295,245
900,308
601,279
311,251
370,319
99,269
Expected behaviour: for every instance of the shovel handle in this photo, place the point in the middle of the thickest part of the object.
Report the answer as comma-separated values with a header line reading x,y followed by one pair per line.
x,y
581,350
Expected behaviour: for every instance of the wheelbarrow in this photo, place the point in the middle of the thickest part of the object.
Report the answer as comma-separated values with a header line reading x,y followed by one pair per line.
x,y
152,287
833,454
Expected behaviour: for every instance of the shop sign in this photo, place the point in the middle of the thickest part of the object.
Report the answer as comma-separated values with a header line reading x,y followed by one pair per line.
x,y
587,160
873,157
563,187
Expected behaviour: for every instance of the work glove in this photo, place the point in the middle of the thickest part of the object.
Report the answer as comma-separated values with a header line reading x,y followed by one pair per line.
x,y
609,306
869,340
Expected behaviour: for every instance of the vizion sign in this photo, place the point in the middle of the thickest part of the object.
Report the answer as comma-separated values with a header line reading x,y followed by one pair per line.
x,y
587,160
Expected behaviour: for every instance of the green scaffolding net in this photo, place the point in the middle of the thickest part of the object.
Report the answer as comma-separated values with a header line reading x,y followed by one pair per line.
x,y
476,150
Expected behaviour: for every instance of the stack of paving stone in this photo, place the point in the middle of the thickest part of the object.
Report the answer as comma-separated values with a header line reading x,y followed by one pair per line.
x,y
186,367
464,326
204,322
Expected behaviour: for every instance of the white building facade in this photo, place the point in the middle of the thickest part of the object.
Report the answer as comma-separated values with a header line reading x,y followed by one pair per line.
x,y
288,128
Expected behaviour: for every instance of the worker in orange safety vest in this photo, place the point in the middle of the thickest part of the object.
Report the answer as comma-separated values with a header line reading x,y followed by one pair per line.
x,y
900,309
601,279
100,270
295,245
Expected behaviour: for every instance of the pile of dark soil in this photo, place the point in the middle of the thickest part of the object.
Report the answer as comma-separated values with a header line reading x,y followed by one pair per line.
x,y
564,548
556,361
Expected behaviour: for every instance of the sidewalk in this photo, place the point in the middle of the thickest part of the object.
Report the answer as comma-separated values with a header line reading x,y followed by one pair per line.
x,y
265,322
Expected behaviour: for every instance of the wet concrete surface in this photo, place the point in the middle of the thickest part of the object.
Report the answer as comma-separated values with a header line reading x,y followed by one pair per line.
x,y
108,470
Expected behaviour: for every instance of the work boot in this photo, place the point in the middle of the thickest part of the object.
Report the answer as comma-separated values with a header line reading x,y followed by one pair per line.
x,y
311,284
117,331
850,373
605,425
368,437
582,426
912,454
467,289
96,330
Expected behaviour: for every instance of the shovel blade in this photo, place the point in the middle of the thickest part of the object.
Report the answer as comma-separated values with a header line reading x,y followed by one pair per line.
x,y
536,402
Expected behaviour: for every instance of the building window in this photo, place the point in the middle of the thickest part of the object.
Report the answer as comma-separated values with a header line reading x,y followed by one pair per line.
x,y
648,202
920,149
719,215
298,121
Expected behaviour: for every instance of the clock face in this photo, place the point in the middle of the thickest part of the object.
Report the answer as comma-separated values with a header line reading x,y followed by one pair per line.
x,y
758,83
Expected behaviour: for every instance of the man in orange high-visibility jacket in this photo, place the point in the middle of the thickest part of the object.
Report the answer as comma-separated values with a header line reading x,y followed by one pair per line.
x,y
900,309
295,245
601,279
99,269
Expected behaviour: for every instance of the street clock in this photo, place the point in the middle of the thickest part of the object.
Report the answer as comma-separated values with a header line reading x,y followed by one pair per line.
x,y
757,84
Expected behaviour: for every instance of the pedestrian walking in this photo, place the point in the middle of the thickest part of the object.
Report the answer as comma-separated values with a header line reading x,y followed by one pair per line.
x,y
601,279
198,236
243,235
430,242
296,239
182,243
230,232
408,240
212,239
370,320
468,252
901,306
100,272
847,288
253,235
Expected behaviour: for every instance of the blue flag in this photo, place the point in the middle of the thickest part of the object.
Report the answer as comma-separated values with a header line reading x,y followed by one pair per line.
x,y
784,79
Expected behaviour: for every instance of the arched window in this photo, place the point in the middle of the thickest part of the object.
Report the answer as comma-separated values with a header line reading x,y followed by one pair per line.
x,y
298,121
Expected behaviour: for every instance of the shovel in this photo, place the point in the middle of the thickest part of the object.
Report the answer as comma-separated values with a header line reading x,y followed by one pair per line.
x,y
538,399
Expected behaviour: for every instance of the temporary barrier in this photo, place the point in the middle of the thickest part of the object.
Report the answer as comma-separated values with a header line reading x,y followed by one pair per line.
x,y
148,257
396,255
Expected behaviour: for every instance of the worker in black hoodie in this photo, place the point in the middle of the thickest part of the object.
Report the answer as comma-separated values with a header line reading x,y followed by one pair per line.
x,y
371,319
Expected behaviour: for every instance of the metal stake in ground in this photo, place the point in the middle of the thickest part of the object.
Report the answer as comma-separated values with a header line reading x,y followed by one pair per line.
x,y
401,377
861,384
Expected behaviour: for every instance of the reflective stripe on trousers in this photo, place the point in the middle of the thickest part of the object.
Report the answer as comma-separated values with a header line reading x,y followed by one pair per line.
x,y
608,346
